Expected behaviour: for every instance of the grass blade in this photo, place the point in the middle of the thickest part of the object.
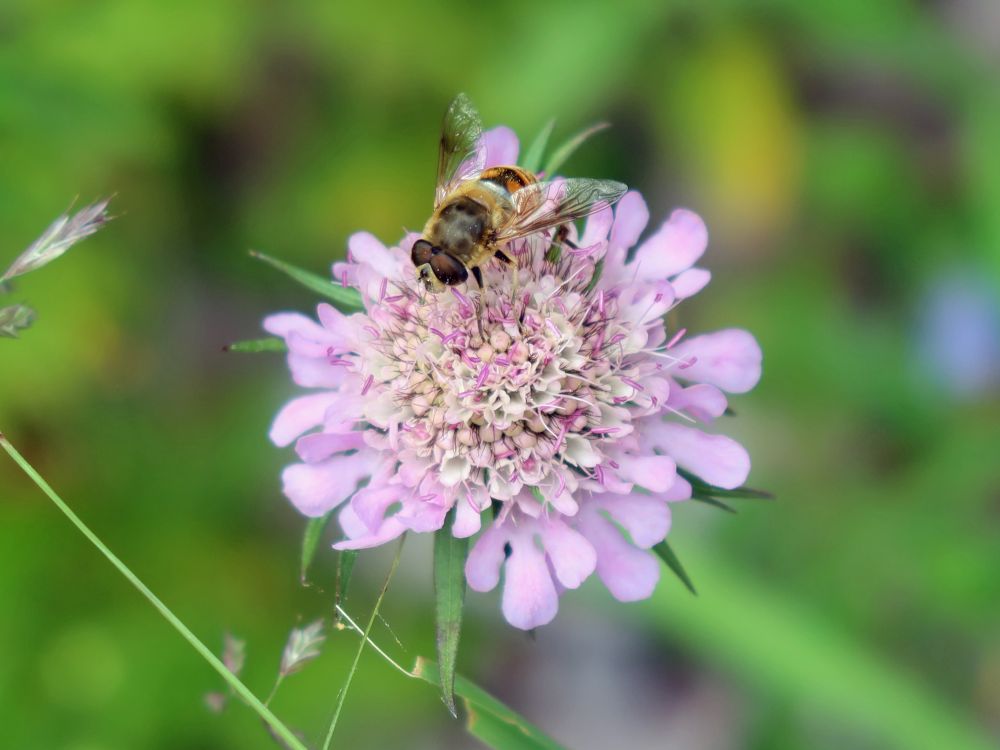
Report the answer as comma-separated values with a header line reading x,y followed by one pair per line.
x,y
342,696
273,722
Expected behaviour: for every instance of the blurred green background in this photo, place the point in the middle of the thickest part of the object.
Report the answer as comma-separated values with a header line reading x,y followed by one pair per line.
x,y
846,156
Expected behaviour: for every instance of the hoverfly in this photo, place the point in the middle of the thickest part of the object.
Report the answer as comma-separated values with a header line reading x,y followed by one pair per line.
x,y
478,211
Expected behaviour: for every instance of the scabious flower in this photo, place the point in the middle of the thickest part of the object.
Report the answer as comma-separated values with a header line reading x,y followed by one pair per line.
x,y
555,432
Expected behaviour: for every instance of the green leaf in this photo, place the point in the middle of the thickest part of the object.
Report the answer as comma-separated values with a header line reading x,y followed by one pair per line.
x,y
566,150
667,554
533,156
344,298
253,346
449,596
488,719
310,543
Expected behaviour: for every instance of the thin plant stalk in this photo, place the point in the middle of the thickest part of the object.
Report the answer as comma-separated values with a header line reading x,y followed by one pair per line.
x,y
279,728
361,646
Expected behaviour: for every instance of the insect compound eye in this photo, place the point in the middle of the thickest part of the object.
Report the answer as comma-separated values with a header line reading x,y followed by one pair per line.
x,y
421,252
449,269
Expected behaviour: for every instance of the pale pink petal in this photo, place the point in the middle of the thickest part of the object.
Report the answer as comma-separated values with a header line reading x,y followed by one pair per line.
x,y
629,573
336,323
679,490
298,415
315,372
501,147
702,401
690,282
631,217
321,445
282,324
468,519
572,556
654,473
482,566
717,459
371,503
598,226
529,597
729,359
366,249
423,516
674,248
358,534
317,488
645,517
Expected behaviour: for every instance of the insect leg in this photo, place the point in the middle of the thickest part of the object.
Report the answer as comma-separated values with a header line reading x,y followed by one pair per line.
x,y
507,260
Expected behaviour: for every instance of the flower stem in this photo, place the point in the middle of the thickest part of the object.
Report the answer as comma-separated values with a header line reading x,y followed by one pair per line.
x,y
361,646
242,690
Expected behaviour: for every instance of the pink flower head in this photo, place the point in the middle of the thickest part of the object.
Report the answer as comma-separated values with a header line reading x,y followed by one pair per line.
x,y
557,433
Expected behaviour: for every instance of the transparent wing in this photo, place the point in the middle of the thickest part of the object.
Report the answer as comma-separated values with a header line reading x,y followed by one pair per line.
x,y
459,156
544,205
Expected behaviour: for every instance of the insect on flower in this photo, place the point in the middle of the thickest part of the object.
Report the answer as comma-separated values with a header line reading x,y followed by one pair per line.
x,y
479,210
559,423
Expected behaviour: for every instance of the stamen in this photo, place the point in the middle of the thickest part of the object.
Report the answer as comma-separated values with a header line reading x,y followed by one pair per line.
x,y
462,300
368,384
632,383
687,363
677,337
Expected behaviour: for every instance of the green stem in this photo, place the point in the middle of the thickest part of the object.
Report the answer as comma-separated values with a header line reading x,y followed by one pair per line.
x,y
361,646
242,690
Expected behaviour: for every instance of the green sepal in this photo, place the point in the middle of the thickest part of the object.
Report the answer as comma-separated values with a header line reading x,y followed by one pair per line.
x,y
532,161
567,149
344,298
669,557
449,598
254,346
310,542
714,502
701,489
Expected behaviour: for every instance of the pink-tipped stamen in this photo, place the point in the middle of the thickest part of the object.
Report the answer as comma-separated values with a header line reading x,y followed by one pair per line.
x,y
677,337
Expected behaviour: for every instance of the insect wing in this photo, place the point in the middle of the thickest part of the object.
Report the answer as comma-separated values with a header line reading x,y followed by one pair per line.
x,y
545,205
460,155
